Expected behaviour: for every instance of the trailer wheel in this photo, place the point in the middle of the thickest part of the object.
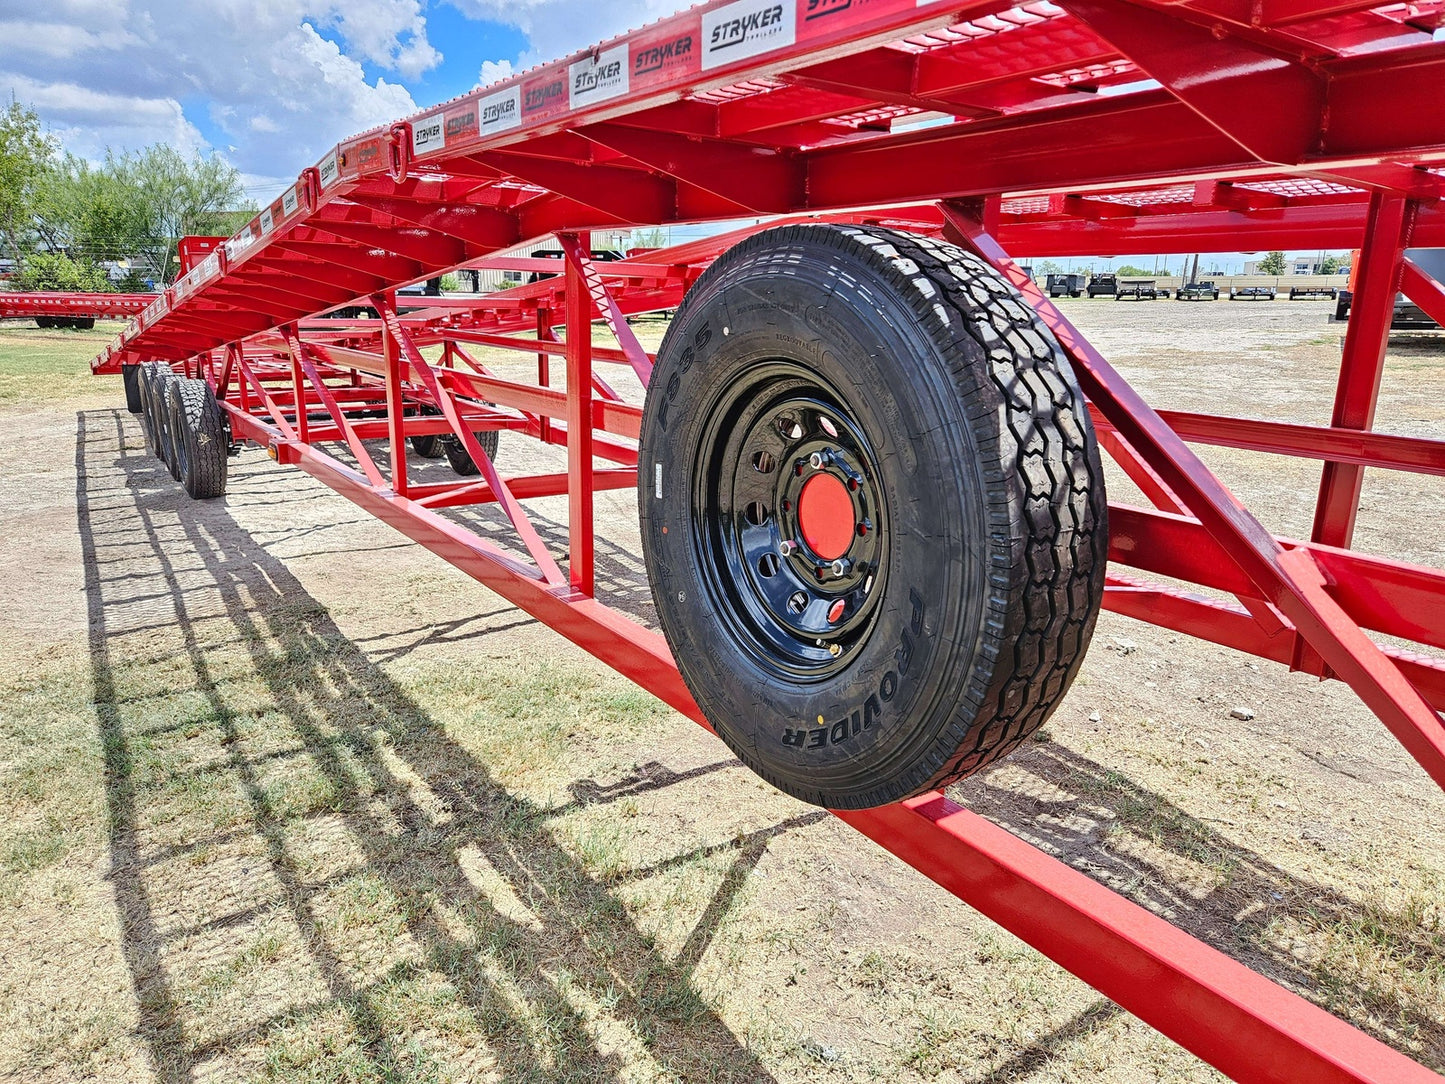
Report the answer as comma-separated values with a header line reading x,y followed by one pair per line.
x,y
169,392
151,403
83,323
461,460
199,439
130,378
872,511
430,446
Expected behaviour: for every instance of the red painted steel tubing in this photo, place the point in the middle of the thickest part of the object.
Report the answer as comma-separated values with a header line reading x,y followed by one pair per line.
x,y
1215,1007
1288,579
1236,1020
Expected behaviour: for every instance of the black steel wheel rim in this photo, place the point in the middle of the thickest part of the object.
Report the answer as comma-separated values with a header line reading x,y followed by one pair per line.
x,y
798,598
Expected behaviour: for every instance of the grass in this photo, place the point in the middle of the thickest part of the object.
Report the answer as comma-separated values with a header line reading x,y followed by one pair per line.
x,y
52,366
236,844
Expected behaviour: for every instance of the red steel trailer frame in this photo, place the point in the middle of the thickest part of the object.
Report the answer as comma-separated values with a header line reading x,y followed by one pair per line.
x,y
67,306
1085,126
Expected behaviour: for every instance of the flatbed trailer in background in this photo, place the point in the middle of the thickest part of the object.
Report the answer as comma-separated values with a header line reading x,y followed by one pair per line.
x,y
78,310
897,153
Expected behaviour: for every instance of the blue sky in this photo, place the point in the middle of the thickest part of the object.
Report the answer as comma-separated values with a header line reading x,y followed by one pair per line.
x,y
271,84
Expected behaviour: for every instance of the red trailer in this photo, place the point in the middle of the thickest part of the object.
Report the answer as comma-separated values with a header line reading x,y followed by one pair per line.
x,y
868,461
77,310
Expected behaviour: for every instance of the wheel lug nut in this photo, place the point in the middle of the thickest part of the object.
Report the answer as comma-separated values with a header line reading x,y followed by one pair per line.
x,y
787,547
841,566
817,460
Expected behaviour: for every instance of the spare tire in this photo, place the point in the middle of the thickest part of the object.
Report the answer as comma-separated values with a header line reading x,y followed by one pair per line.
x,y
872,511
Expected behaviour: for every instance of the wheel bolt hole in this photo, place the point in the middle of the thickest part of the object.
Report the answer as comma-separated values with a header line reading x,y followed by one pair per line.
x,y
826,424
853,485
763,462
756,513
787,506
768,565
789,426
797,602
862,530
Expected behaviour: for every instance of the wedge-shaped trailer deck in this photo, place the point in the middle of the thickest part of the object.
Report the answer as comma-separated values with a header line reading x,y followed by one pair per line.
x,y
868,464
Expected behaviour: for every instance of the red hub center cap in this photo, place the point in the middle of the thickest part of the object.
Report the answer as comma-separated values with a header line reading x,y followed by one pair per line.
x,y
825,516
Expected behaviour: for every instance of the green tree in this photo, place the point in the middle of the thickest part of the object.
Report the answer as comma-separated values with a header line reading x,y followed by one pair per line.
x,y
25,153
1330,265
1272,264
1048,267
136,205
179,196
58,271
1129,271
654,238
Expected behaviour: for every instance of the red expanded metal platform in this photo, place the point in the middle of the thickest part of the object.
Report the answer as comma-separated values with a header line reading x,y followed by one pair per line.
x,y
17,306
1095,126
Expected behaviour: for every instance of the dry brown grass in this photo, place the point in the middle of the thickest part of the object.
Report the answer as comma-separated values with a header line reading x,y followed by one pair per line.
x,y
270,817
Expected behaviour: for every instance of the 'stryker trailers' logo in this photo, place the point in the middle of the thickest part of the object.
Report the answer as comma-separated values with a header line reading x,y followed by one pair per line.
x,y
428,134
544,96
598,78
746,29
501,111
653,58
460,125
819,9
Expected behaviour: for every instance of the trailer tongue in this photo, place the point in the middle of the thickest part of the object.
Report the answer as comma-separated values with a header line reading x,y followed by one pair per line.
x,y
868,459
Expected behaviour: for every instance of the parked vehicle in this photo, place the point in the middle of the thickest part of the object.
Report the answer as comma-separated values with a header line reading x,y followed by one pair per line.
x,y
1296,292
1065,285
1252,293
1139,290
1105,284
1198,291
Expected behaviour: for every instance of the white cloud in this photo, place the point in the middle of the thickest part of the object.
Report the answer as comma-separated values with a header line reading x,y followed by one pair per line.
x,y
117,72
494,71
558,27
76,114
391,33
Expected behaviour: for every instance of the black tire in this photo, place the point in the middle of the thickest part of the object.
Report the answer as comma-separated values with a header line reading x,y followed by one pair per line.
x,y
461,460
45,323
973,518
165,396
83,323
199,439
130,378
152,413
431,446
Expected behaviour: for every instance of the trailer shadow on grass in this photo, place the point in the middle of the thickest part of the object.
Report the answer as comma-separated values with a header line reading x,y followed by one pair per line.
x,y
1372,963
312,878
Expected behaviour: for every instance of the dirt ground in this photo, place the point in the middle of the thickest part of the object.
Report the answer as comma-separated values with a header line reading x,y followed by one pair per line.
x,y
285,797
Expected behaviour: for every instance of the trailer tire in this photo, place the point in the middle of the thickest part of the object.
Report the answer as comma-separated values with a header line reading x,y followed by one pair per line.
x,y
169,392
130,378
432,445
151,404
83,323
200,440
965,512
461,460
